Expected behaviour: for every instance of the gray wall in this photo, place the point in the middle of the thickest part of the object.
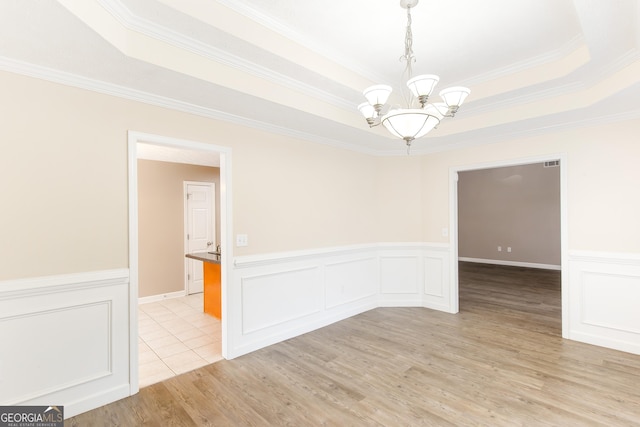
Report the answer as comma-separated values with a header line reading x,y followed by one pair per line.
x,y
517,207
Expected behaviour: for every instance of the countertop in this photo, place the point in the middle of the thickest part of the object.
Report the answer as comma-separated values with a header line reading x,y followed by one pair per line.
x,y
205,257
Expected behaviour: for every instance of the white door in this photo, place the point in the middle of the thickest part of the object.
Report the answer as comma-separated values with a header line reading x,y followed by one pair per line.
x,y
200,230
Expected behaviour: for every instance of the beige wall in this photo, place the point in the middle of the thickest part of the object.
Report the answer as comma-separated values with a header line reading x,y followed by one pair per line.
x,y
161,222
603,202
516,207
64,182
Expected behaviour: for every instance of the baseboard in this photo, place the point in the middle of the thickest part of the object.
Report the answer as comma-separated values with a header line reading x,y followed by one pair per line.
x,y
511,263
161,297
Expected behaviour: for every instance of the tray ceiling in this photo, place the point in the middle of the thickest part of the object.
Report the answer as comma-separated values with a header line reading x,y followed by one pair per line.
x,y
298,67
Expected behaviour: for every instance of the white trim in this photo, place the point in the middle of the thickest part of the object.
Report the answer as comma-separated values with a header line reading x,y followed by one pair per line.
x,y
280,257
161,297
62,282
632,258
564,231
226,215
511,263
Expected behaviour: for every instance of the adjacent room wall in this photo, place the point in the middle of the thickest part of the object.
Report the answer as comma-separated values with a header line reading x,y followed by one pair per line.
x,y
515,207
161,222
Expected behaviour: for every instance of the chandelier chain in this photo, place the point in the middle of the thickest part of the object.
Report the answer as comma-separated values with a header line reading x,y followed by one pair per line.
x,y
409,57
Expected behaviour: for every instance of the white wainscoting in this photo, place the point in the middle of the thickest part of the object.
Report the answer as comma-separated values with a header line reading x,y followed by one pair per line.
x,y
415,276
65,340
604,299
280,296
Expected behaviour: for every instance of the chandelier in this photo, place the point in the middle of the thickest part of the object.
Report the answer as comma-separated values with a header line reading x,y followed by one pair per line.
x,y
411,122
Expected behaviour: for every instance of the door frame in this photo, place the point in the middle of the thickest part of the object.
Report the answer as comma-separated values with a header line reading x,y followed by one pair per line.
x,y
226,227
564,231
185,186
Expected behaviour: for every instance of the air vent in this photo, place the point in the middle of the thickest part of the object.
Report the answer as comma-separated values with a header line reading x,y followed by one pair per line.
x,y
552,164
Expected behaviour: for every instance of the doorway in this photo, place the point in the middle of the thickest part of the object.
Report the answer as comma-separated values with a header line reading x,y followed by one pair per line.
x,y
196,151
454,223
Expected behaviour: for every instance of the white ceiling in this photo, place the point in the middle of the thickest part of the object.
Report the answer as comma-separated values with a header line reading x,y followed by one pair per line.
x,y
298,67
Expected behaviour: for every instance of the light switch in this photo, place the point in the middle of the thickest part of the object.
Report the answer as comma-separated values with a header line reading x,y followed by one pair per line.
x,y
242,240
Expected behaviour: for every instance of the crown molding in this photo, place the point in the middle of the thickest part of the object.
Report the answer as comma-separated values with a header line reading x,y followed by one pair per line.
x,y
289,33
522,134
159,32
554,55
68,79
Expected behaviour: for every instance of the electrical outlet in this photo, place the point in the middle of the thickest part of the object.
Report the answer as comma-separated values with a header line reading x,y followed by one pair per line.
x,y
508,248
242,240
499,248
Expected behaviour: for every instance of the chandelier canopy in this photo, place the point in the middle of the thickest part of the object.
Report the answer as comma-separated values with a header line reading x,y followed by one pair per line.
x,y
411,122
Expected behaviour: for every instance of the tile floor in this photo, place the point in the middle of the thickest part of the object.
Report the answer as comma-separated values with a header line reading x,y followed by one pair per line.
x,y
175,336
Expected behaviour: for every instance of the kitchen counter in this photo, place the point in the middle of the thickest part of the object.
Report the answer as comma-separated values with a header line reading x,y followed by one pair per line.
x,y
212,282
205,257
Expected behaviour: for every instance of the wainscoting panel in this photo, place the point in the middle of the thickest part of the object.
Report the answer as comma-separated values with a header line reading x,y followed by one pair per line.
x,y
400,274
437,289
65,340
279,296
350,281
603,296
275,298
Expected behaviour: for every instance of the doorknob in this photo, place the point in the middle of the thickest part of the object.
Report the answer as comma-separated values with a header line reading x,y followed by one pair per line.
x,y
209,244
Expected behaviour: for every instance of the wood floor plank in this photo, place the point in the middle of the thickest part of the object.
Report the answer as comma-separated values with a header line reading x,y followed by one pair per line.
x,y
500,362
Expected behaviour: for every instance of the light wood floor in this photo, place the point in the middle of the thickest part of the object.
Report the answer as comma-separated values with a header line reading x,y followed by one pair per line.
x,y
500,362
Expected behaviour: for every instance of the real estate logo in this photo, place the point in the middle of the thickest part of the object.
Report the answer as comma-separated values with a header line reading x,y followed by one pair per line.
x,y
31,416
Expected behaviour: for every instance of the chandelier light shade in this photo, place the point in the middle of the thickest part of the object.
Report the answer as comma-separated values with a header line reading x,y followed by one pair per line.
x,y
423,85
411,122
453,97
378,94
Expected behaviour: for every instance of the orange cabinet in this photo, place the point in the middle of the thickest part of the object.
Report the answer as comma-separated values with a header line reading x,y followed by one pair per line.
x,y
212,289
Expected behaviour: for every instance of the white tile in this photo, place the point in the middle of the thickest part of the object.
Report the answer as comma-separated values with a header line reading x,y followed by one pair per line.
x,y
143,347
147,357
155,335
200,341
188,334
162,342
168,316
169,331
211,352
184,362
178,325
153,368
170,350
153,309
